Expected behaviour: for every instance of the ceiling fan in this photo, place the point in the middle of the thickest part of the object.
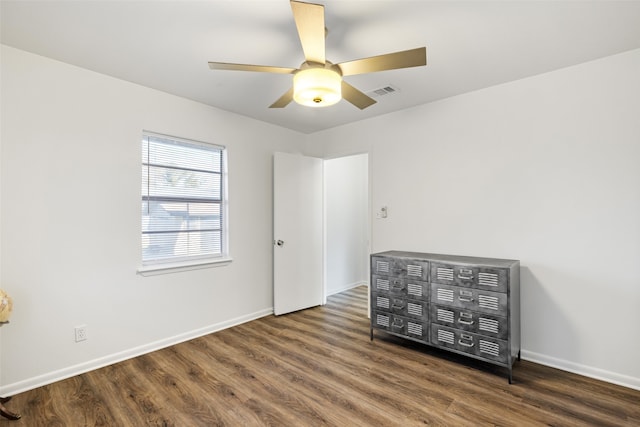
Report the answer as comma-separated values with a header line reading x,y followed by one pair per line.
x,y
318,82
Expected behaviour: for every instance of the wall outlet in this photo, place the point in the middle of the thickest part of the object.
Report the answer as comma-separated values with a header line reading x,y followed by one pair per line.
x,y
81,333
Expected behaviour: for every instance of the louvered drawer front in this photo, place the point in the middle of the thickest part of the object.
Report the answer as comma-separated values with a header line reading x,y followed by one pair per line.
x,y
382,266
412,308
471,299
466,320
411,328
416,309
401,325
402,287
389,303
491,279
381,302
381,320
390,322
400,268
381,284
400,306
417,290
409,288
412,269
469,342
389,284
417,330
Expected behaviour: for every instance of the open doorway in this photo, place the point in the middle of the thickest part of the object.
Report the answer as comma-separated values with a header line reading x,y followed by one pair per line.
x,y
347,223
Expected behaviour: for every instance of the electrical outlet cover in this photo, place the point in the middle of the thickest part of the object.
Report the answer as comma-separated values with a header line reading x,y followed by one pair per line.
x,y
81,333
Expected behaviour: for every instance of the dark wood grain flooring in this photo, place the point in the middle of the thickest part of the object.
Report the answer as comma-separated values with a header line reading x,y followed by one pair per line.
x,y
318,367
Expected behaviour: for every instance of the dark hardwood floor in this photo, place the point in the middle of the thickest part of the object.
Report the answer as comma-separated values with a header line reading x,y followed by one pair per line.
x,y
318,367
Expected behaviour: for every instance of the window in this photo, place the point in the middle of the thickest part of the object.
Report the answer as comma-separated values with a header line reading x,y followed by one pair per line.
x,y
183,200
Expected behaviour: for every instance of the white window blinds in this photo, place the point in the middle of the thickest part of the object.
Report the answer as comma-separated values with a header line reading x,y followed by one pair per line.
x,y
182,200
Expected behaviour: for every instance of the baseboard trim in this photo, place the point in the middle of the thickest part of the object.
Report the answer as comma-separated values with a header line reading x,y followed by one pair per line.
x,y
71,371
62,374
345,288
584,370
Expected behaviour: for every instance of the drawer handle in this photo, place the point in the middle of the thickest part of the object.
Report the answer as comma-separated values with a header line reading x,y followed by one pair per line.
x,y
460,276
398,306
464,340
397,323
466,296
465,322
397,285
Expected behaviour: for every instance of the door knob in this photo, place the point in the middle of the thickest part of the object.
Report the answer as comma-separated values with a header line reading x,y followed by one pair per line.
x,y
280,243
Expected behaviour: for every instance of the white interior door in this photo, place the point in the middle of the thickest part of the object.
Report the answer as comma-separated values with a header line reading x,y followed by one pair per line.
x,y
298,232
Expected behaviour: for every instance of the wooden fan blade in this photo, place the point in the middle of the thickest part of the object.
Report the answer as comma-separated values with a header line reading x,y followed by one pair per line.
x,y
284,100
356,97
391,61
248,67
309,19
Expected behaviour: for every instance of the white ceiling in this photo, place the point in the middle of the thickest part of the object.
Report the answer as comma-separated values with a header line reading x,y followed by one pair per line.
x,y
470,45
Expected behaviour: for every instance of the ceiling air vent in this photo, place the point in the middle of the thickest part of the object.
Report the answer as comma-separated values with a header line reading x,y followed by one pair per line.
x,y
382,91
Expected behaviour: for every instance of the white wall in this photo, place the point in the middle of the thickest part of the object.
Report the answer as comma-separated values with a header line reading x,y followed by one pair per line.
x,y
70,173
347,222
544,170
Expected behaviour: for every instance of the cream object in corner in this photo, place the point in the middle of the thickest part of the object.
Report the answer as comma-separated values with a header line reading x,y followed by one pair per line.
x,y
6,306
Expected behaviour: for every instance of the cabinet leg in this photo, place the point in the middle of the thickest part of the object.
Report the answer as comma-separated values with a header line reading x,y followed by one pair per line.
x,y
5,412
371,334
519,355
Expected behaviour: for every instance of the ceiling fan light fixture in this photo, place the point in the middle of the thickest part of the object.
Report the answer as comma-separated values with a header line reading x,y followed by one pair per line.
x,y
317,87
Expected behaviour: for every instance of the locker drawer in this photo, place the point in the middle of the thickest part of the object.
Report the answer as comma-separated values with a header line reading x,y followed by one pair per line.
x,y
400,325
401,306
382,265
487,348
469,299
405,287
490,279
416,289
466,320
388,284
400,268
413,269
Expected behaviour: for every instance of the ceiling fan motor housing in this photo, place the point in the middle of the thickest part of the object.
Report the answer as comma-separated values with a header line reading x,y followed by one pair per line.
x,y
317,87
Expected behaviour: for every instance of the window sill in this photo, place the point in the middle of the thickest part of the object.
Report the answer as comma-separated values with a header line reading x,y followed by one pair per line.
x,y
176,267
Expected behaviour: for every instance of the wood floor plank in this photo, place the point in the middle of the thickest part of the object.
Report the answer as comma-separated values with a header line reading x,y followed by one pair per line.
x,y
122,393
331,378
180,391
262,382
360,377
295,378
318,367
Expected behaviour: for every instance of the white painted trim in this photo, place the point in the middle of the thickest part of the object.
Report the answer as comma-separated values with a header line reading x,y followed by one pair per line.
x,y
584,370
175,267
42,380
347,287
71,371
325,228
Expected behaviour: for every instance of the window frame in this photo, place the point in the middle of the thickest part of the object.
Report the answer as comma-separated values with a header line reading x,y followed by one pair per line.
x,y
176,264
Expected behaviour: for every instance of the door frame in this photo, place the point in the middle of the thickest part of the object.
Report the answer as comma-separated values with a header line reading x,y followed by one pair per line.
x,y
368,220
